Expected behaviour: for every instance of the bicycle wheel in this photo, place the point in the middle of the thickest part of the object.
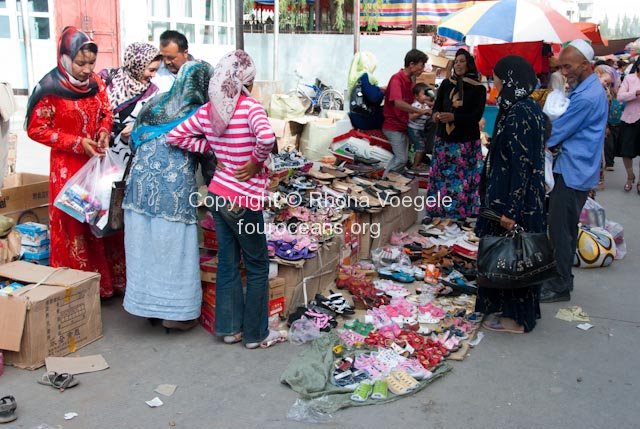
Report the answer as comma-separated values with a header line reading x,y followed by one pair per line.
x,y
331,99
304,99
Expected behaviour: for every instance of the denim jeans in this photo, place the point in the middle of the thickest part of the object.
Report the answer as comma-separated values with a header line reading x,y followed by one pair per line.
x,y
398,141
240,234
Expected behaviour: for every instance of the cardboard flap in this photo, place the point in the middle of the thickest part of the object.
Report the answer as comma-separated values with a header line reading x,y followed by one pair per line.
x,y
27,273
13,312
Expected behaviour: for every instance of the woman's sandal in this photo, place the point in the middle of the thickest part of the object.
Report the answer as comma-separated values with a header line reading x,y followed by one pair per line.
x,y
58,381
233,338
629,185
274,337
8,407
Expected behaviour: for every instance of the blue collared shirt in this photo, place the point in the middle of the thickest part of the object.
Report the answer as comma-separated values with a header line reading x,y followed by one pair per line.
x,y
580,131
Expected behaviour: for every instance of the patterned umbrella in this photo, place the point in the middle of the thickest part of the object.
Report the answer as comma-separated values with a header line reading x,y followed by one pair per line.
x,y
509,21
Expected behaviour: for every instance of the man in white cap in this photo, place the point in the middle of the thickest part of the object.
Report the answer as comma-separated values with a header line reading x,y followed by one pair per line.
x,y
577,136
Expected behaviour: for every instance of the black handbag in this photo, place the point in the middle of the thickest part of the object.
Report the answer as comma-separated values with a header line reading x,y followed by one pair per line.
x,y
514,260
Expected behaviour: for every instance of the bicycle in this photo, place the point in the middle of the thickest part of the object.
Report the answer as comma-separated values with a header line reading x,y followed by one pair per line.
x,y
317,97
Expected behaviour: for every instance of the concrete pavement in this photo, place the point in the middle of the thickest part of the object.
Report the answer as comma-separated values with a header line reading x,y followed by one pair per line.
x,y
555,377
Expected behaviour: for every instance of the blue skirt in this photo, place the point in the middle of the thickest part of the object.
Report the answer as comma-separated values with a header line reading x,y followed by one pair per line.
x,y
163,271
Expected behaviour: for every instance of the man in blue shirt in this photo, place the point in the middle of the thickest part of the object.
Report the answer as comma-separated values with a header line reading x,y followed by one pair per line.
x,y
578,136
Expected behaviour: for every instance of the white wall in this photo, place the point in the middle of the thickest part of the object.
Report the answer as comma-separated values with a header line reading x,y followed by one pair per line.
x,y
326,56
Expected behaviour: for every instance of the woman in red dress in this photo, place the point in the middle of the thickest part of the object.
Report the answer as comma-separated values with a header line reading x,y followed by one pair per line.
x,y
69,111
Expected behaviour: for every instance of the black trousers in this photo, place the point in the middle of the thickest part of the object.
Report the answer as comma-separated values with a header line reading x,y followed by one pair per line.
x,y
612,145
565,205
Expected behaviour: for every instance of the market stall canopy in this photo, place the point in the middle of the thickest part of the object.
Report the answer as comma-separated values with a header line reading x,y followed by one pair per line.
x,y
509,21
487,56
592,31
398,13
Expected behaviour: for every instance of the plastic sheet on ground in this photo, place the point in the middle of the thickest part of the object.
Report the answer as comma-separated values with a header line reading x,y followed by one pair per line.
x,y
309,374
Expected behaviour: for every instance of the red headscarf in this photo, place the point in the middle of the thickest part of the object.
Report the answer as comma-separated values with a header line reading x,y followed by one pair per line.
x,y
59,81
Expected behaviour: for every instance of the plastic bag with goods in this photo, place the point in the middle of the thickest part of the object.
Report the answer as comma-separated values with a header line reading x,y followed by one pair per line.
x,y
86,196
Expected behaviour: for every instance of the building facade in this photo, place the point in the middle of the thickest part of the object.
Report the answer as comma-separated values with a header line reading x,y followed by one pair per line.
x,y
208,24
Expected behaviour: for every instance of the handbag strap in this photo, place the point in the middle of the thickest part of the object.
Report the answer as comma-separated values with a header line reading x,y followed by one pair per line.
x,y
490,214
127,168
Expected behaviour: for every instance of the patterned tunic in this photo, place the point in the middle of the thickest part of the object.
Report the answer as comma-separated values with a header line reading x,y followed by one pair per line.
x,y
61,124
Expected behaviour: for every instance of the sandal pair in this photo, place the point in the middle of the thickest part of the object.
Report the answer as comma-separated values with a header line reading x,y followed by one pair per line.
x,y
60,381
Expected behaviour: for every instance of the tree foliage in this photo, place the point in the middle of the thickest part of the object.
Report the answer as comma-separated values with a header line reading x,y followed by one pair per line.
x,y
625,27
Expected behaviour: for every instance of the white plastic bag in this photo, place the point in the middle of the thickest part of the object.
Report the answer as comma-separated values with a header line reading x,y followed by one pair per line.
x,y
617,232
557,103
549,181
593,214
86,196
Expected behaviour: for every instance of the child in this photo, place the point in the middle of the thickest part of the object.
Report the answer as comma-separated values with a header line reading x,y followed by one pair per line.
x,y
424,99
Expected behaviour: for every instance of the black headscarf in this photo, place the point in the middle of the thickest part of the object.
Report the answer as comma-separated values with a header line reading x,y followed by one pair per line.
x,y
518,81
59,81
456,96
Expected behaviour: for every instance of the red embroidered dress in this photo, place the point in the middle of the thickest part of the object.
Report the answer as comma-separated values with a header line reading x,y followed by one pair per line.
x,y
61,124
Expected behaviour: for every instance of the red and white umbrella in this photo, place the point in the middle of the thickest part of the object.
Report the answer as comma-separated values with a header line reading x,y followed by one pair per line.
x,y
509,21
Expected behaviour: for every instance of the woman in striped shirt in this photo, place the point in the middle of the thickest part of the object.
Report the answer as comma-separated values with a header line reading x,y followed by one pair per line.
x,y
235,128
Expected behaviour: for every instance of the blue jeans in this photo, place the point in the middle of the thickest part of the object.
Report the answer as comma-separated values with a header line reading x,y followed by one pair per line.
x,y
417,139
240,233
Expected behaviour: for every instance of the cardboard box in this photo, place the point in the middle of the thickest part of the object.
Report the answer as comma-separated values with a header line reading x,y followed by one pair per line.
x,y
209,293
208,270
276,288
427,78
209,239
276,306
56,318
25,197
208,319
314,274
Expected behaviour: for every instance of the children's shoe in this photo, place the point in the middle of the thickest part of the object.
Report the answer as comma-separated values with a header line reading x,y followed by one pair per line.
x,y
362,392
380,390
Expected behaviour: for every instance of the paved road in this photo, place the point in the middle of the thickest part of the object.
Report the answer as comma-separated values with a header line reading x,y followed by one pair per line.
x,y
555,377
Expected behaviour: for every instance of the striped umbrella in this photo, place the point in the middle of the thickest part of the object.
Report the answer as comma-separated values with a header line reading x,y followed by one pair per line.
x,y
509,21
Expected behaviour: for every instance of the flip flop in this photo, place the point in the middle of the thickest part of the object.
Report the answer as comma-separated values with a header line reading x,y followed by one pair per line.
x,y
8,407
58,381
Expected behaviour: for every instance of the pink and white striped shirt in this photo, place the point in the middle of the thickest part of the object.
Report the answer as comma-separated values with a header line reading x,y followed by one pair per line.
x,y
249,136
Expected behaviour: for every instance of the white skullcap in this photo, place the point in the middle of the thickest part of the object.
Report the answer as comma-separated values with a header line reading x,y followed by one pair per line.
x,y
585,48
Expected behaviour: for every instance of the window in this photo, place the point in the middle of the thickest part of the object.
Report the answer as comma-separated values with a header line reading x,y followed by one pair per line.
x,y
4,27
201,21
39,19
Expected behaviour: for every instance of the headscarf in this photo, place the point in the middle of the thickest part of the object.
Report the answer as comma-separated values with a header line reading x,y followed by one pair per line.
x,y
125,82
519,80
456,96
363,62
232,75
59,81
615,77
165,111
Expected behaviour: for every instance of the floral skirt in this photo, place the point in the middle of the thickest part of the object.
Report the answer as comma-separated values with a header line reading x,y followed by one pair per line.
x,y
455,172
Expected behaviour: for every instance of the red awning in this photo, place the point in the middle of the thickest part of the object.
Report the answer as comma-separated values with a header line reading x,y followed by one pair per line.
x,y
592,31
